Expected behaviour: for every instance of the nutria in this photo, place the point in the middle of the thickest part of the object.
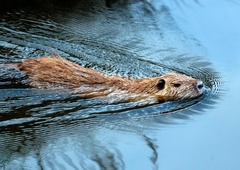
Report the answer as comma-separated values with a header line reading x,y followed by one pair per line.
x,y
57,72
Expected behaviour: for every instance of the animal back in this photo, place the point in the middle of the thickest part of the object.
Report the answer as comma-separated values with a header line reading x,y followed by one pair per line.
x,y
47,72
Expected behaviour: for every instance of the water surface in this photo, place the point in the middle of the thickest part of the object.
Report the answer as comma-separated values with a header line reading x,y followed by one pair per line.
x,y
54,129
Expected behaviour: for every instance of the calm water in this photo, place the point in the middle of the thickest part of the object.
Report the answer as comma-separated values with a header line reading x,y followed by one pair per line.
x,y
52,129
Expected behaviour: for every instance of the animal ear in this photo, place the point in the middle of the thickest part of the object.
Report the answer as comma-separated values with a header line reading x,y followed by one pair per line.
x,y
161,84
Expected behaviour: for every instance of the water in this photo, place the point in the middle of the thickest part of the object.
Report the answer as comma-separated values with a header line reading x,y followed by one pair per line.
x,y
55,129
212,139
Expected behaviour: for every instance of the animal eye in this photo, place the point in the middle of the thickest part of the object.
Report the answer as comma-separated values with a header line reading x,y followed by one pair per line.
x,y
161,84
176,84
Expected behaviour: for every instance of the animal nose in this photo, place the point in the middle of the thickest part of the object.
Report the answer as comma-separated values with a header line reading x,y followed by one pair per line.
x,y
200,85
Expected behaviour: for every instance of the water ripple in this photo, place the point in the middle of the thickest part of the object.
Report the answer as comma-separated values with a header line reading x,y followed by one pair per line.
x,y
55,128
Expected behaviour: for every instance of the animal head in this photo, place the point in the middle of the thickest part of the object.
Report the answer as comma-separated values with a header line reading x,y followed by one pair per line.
x,y
173,86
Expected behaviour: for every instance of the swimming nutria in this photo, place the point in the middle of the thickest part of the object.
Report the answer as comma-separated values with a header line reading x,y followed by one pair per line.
x,y
57,72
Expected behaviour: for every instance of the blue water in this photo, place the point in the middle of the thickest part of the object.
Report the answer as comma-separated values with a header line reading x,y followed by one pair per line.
x,y
211,140
51,129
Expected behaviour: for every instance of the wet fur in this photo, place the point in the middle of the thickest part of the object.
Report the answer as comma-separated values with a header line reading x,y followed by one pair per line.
x,y
57,72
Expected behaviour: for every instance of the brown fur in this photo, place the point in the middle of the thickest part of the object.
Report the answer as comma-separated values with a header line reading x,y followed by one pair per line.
x,y
46,72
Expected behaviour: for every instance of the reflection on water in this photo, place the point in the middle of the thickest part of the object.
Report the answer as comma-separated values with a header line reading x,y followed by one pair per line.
x,y
53,129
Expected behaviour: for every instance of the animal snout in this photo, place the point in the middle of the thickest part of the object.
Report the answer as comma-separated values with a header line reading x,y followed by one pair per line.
x,y
200,85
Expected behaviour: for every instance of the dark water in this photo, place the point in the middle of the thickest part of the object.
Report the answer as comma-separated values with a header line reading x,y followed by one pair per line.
x,y
53,129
